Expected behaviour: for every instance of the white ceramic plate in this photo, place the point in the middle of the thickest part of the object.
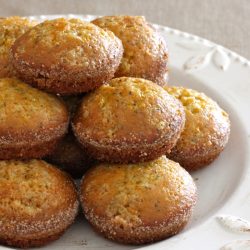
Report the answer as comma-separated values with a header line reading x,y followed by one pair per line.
x,y
224,186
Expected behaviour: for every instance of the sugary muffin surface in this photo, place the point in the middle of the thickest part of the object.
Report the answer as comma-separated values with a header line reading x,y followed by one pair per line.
x,y
129,109
26,110
38,202
133,192
27,189
32,185
66,56
65,38
206,130
145,52
138,203
10,29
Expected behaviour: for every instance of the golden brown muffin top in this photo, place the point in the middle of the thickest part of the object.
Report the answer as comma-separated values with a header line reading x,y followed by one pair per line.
x,y
10,29
34,191
145,52
68,43
207,125
26,110
128,110
142,194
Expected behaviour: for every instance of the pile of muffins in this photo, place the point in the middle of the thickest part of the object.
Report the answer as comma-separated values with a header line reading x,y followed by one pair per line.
x,y
91,101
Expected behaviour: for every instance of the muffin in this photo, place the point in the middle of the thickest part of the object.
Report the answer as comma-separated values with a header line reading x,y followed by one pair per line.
x,y
37,203
70,157
66,56
140,203
206,130
128,120
10,29
31,121
145,52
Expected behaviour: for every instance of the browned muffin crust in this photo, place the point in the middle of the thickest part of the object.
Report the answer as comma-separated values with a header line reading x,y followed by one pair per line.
x,y
68,154
145,52
206,130
70,157
140,203
128,120
10,29
31,121
66,56
37,203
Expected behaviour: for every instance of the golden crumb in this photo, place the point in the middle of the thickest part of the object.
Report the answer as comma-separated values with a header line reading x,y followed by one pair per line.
x,y
10,29
30,213
145,52
129,113
138,203
31,121
206,130
66,56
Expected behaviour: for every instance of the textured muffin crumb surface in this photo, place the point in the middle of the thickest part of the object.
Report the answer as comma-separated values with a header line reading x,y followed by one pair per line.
x,y
138,203
129,106
66,56
10,29
20,101
75,32
134,120
30,212
145,52
206,130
